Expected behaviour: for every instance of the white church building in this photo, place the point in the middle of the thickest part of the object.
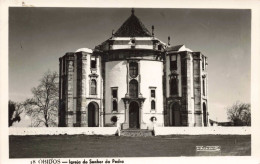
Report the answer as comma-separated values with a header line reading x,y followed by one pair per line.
x,y
133,80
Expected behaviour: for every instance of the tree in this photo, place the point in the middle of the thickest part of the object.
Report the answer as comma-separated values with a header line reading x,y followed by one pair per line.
x,y
14,111
240,114
43,107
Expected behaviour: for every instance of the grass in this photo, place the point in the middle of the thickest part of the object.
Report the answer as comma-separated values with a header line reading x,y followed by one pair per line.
x,y
64,146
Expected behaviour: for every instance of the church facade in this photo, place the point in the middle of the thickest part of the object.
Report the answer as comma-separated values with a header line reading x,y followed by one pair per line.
x,y
133,80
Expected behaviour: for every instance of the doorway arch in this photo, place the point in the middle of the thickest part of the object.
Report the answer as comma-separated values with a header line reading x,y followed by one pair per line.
x,y
93,119
175,115
134,115
205,122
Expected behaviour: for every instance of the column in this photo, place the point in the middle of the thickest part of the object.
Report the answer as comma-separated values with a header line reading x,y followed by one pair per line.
x,y
197,88
83,90
189,75
127,80
186,88
70,109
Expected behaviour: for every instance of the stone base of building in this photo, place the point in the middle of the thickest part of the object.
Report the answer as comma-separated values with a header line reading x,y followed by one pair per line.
x,y
80,125
143,126
125,126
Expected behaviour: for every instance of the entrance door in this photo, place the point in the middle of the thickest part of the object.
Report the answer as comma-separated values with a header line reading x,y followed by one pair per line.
x,y
134,115
176,118
175,115
91,115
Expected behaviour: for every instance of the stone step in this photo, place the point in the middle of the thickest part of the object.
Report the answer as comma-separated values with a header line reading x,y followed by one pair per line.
x,y
136,133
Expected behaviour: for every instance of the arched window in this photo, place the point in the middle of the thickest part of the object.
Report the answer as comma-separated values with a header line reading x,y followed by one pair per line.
x,y
133,88
153,104
174,86
133,69
114,105
93,90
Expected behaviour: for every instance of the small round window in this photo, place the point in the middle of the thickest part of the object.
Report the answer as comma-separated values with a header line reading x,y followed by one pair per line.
x,y
153,119
114,119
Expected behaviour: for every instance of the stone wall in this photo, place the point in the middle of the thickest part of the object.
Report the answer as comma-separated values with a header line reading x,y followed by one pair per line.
x,y
64,131
202,130
66,89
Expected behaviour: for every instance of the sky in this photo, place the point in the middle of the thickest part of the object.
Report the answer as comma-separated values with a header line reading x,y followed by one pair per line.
x,y
39,36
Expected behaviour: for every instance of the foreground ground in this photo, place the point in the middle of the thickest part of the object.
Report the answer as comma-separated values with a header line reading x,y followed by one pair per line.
x,y
114,146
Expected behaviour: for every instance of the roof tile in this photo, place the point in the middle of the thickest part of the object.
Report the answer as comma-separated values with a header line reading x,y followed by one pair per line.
x,y
132,27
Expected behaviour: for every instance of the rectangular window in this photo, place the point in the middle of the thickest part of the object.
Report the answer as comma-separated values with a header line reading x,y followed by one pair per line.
x,y
203,87
160,47
153,93
152,98
203,63
93,86
174,86
114,93
114,98
133,69
153,105
173,62
114,105
133,88
93,62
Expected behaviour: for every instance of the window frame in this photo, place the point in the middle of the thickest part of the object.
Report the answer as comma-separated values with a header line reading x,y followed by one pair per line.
x,y
203,87
153,95
93,87
114,106
174,88
93,59
114,99
173,63
203,63
153,105
133,69
152,99
133,88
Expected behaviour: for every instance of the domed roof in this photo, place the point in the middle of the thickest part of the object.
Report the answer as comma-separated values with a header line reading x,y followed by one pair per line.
x,y
132,27
85,50
179,48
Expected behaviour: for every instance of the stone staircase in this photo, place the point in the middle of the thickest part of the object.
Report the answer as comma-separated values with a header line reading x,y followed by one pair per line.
x,y
136,133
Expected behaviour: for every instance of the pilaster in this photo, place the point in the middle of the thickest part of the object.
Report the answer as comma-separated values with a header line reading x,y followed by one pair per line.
x,y
126,123
70,109
142,124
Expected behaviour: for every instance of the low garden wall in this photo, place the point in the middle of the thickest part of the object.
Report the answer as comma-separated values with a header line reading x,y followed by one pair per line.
x,y
63,131
114,130
202,130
